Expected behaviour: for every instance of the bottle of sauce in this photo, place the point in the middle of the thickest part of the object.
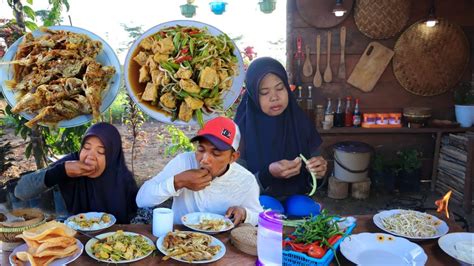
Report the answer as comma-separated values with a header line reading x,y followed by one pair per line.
x,y
329,114
309,104
348,114
356,117
319,115
339,116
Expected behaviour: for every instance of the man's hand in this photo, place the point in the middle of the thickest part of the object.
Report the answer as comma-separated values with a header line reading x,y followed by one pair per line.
x,y
78,168
285,169
194,179
237,214
318,166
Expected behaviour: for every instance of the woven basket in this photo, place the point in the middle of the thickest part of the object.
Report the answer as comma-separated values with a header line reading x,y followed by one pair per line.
x,y
430,61
244,238
9,231
381,19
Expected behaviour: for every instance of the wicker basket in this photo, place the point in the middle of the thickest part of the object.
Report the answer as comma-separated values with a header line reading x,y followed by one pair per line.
x,y
9,230
381,19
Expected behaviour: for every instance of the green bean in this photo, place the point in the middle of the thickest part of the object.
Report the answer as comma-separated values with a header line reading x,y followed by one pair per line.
x,y
199,117
313,176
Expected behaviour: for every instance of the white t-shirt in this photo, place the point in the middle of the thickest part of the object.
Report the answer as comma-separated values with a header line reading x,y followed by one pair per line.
x,y
237,187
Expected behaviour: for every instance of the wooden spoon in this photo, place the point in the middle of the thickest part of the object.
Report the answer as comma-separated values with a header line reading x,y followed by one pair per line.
x,y
328,72
341,74
318,80
307,67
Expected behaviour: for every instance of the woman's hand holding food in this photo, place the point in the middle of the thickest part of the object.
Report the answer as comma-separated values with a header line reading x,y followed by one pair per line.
x,y
236,214
78,168
194,179
285,168
317,165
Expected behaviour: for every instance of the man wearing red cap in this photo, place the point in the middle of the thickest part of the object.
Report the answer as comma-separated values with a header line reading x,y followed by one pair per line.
x,y
207,180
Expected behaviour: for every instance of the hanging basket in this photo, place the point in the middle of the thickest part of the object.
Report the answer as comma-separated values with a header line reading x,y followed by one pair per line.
x,y
188,10
267,6
218,7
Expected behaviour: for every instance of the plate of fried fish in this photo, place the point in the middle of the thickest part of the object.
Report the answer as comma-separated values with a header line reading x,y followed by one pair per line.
x,y
184,72
191,247
60,76
205,222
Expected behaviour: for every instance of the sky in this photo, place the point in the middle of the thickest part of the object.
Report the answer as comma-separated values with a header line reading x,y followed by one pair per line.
x,y
241,18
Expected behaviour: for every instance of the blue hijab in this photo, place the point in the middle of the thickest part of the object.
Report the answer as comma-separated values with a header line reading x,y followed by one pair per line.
x,y
114,191
267,139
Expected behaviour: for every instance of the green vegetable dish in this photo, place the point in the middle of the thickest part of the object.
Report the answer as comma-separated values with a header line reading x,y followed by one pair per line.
x,y
122,247
183,71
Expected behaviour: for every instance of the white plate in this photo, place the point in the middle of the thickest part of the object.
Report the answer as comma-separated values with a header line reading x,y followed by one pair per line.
x,y
106,57
57,262
215,241
447,244
104,235
191,219
441,229
382,249
90,215
230,96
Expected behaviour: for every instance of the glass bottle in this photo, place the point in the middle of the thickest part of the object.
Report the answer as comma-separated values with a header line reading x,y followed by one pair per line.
x,y
356,117
329,113
319,115
348,115
339,116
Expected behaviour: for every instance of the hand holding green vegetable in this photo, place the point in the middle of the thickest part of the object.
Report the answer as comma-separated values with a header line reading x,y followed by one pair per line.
x,y
285,169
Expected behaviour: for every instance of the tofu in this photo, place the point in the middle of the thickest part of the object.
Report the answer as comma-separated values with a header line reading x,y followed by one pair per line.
x,y
144,75
151,92
147,43
224,81
208,78
168,100
159,77
141,58
184,73
194,103
151,64
160,57
185,112
189,85
164,46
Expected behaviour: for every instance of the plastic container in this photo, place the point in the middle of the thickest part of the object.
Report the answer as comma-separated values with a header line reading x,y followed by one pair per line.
x,y
394,118
351,161
382,119
369,119
269,237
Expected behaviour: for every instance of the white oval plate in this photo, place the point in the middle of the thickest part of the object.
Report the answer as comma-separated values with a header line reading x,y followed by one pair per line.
x,y
215,241
104,235
230,96
441,229
106,57
447,244
382,249
57,262
90,215
194,218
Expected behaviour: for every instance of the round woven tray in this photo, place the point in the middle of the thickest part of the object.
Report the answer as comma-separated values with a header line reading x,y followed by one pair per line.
x,y
9,230
381,19
430,61
244,238
318,13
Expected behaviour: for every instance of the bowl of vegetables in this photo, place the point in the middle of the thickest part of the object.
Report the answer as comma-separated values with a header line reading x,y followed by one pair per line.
x,y
184,72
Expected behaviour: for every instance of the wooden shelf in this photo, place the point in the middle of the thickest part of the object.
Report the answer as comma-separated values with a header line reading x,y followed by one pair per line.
x,y
402,130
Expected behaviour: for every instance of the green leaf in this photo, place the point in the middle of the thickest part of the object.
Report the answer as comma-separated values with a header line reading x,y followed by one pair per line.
x,y
66,4
31,25
29,2
29,12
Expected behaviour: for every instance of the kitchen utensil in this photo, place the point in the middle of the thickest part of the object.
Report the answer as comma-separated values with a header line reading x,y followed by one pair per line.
x,y
341,74
307,68
318,13
381,19
298,57
370,67
430,61
318,80
328,72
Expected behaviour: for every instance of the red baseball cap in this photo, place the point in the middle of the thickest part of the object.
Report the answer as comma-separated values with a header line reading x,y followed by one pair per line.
x,y
222,132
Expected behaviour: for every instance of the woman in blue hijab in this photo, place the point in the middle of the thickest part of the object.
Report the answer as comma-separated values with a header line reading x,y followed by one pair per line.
x,y
275,130
94,179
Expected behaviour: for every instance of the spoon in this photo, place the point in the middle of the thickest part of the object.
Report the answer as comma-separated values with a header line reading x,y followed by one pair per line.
x,y
307,67
328,72
317,80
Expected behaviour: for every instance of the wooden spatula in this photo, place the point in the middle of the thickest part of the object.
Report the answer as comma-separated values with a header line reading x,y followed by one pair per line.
x,y
341,74
318,80
328,72
307,67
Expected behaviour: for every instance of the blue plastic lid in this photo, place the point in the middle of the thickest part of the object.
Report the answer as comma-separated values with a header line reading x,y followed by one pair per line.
x,y
353,146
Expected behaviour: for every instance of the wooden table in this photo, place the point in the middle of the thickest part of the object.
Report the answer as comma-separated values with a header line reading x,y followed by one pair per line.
x,y
234,257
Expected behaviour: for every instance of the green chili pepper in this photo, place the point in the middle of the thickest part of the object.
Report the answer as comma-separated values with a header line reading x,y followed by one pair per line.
x,y
191,46
166,65
203,92
214,92
176,40
199,117
313,176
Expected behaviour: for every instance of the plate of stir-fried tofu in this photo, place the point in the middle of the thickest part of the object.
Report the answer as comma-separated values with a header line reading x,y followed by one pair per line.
x,y
184,72
60,76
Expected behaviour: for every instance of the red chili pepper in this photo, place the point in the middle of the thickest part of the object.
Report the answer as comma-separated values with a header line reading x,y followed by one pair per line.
x,y
163,34
192,32
185,50
333,239
183,58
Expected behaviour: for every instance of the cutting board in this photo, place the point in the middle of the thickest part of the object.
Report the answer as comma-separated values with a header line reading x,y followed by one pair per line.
x,y
370,67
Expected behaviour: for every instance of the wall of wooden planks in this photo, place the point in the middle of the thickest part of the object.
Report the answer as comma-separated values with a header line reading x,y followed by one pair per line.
x,y
387,95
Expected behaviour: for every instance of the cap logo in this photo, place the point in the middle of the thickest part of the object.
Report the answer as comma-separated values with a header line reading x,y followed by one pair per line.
x,y
226,133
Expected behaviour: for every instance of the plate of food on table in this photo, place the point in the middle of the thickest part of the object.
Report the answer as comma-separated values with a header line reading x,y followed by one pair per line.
x,y
382,249
205,222
459,245
60,76
90,221
119,247
315,239
191,247
411,224
51,243
184,72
